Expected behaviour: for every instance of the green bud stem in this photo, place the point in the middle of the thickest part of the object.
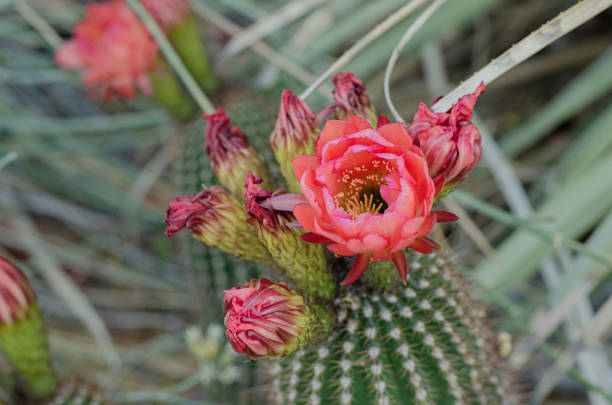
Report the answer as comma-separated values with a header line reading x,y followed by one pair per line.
x,y
24,343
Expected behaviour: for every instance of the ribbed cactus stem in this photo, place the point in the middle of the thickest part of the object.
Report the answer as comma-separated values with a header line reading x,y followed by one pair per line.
x,y
425,343
305,265
381,275
24,343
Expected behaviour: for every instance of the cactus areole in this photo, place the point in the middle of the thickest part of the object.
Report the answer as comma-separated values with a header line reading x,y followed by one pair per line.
x,y
378,317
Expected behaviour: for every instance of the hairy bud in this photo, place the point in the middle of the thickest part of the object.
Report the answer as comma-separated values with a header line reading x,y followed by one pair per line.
x,y
351,98
217,219
231,155
304,263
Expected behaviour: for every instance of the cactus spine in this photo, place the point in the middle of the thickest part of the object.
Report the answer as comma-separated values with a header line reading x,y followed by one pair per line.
x,y
424,343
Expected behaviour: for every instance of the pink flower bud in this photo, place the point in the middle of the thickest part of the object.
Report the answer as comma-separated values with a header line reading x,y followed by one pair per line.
x,y
351,98
217,219
265,319
304,263
450,142
167,13
231,155
113,49
294,134
16,295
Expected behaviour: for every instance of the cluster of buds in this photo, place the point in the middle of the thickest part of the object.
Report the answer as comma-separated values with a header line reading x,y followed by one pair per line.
x,y
22,337
363,186
450,142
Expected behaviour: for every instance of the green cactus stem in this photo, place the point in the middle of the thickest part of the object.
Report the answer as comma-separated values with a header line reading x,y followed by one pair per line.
x,y
424,343
24,343
167,92
191,49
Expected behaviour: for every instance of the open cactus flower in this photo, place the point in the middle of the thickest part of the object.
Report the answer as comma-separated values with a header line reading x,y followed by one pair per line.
x,y
117,56
361,200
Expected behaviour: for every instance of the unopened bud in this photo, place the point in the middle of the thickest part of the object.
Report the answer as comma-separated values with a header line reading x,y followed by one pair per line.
x,y
231,155
450,142
266,319
294,134
303,262
22,336
217,219
351,98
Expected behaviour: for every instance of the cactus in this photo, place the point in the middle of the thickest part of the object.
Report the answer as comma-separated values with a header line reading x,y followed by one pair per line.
x,y
367,192
424,343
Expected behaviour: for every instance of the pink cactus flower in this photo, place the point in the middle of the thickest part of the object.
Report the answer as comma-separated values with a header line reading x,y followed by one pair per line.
x,y
113,49
368,193
265,319
450,142
16,295
167,13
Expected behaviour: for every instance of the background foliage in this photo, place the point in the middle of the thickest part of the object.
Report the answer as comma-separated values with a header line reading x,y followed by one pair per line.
x,y
84,187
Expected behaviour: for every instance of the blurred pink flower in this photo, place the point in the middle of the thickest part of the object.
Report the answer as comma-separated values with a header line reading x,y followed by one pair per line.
x,y
369,193
264,319
167,13
450,142
113,49
16,295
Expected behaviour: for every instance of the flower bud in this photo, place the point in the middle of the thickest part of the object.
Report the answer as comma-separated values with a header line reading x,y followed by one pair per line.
x,y
231,155
22,337
450,142
303,262
217,219
351,98
16,295
266,319
294,134
167,13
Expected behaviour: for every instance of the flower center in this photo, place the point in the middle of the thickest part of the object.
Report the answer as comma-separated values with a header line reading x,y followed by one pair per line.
x,y
361,191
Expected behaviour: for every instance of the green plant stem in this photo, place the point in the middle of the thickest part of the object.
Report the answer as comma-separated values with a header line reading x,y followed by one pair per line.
x,y
551,31
172,57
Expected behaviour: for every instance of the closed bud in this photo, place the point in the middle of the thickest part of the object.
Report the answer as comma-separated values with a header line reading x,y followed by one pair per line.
x,y
450,142
266,319
22,336
351,98
217,219
231,155
303,262
294,134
